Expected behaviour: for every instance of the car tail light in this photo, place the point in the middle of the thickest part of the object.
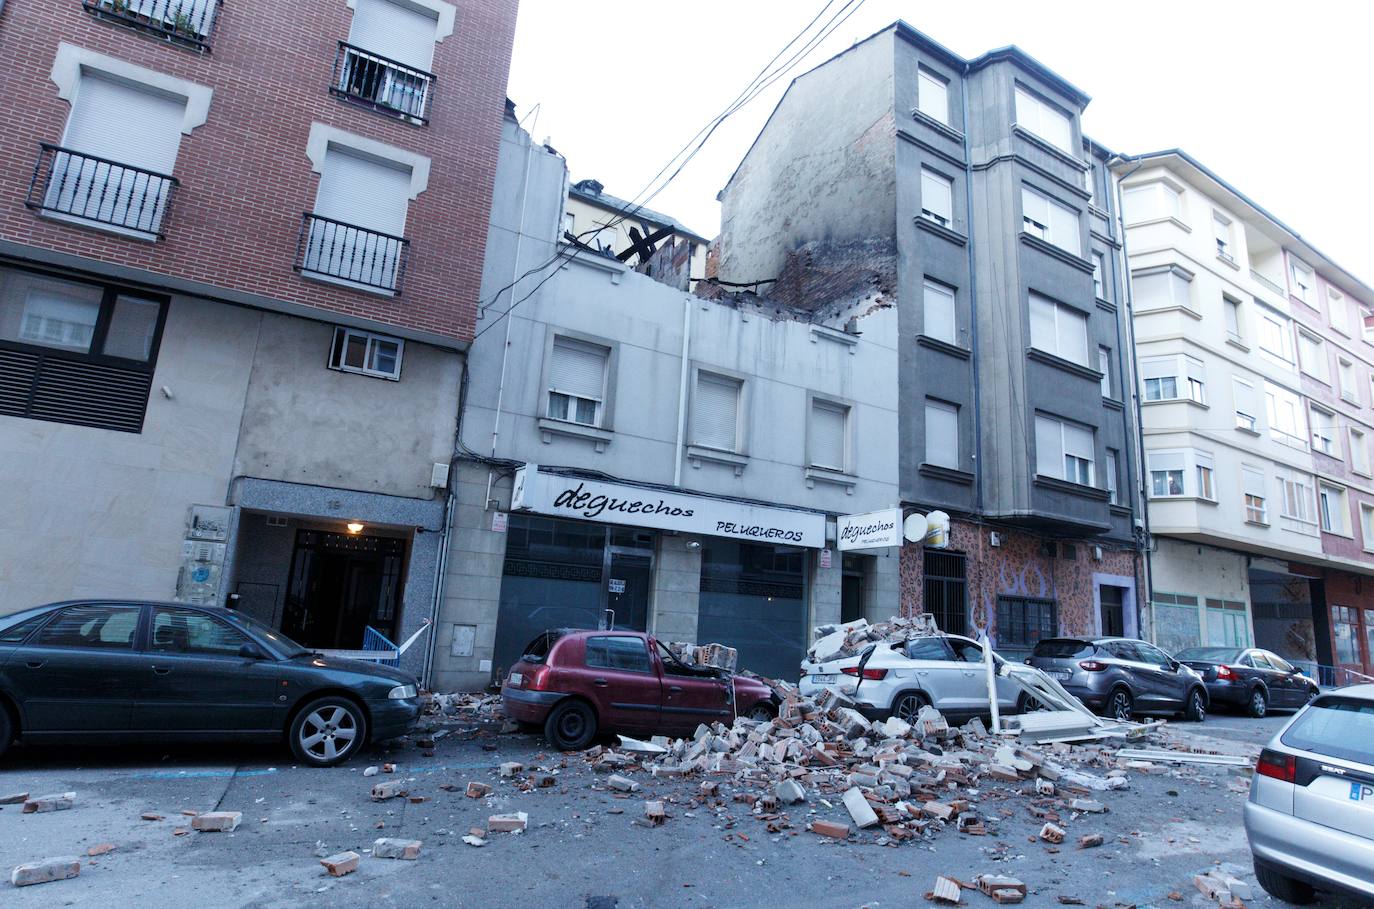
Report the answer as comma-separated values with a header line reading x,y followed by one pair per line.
x,y
1226,673
872,675
1093,665
1277,766
534,680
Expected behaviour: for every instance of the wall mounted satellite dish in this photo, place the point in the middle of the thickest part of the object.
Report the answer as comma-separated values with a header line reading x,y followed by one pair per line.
x,y
914,528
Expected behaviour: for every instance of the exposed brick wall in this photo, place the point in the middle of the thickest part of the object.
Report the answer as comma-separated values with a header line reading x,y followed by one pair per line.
x,y
245,179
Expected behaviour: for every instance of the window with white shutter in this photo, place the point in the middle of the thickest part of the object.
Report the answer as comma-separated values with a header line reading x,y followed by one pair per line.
x,y
942,434
1256,503
356,231
939,312
577,381
1052,222
387,59
1058,329
715,412
1168,473
828,441
932,96
1160,289
1247,405
1044,119
937,198
1064,451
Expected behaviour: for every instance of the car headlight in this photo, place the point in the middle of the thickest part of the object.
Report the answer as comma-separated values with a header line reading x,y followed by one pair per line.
x,y
402,692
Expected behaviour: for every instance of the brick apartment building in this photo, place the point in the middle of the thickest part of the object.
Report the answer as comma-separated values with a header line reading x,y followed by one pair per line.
x,y
240,257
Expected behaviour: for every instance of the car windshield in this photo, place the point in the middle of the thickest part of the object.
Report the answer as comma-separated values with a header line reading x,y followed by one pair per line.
x,y
1336,726
280,642
1062,648
1208,655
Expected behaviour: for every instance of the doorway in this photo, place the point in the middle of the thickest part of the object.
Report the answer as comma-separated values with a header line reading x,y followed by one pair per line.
x,y
339,585
851,590
1113,619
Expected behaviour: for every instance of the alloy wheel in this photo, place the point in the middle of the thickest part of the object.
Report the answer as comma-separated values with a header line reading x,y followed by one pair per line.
x,y
1258,706
328,732
1121,705
908,707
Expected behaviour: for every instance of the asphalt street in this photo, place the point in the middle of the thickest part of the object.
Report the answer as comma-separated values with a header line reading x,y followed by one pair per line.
x,y
585,845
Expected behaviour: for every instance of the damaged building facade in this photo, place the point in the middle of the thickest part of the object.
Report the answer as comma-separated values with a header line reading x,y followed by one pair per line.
x,y
964,193
636,455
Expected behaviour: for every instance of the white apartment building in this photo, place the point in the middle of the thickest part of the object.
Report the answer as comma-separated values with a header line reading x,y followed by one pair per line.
x,y
1256,398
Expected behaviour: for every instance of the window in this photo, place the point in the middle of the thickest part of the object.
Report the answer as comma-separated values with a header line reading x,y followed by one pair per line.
x,y
1275,338
1297,497
570,223
1178,623
942,434
116,159
17,634
937,198
1345,372
1023,622
1301,280
617,652
188,631
939,312
1162,289
1359,451
1324,432
1367,526
577,381
366,353
1338,311
187,22
1231,306
1167,470
356,231
715,412
829,437
1331,508
1152,202
1052,222
1090,184
1099,270
932,96
97,626
1312,356
946,591
1205,472
1104,366
1247,405
77,353
1252,485
1064,451
1113,497
1285,413
1174,378
928,649
1221,227
1345,628
1058,329
1044,119
386,61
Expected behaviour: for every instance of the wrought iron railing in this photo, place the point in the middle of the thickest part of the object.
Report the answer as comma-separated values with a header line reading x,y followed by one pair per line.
x,y
99,190
1332,676
382,83
351,253
187,22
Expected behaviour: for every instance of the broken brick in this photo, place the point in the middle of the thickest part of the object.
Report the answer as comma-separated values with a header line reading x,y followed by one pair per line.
x,y
217,821
58,802
42,872
102,849
654,812
830,828
341,864
515,822
388,790
390,848
1090,841
1052,833
477,790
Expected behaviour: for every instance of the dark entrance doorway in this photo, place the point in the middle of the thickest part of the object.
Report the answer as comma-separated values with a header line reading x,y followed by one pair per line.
x,y
851,590
1113,611
945,590
339,585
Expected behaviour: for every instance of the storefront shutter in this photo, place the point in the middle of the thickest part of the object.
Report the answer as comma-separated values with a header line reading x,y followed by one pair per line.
x,y
715,412
124,123
395,30
578,369
827,435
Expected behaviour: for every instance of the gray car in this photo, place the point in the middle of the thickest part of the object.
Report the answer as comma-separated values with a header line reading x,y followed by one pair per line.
x,y
1310,816
1120,677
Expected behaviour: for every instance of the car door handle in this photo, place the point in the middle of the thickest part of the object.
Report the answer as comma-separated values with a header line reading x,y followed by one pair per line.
x,y
674,689
162,670
922,672
600,683
36,664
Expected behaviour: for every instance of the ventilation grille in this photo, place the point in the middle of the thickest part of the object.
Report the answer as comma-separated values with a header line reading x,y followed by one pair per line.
x,y
71,391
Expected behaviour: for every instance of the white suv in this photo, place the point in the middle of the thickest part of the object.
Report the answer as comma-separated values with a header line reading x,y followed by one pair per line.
x,y
945,671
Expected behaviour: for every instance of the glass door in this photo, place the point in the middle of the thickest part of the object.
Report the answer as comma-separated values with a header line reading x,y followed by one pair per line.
x,y
627,590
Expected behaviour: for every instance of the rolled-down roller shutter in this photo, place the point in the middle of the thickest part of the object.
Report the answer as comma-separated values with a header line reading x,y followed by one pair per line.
x,y
399,31
715,412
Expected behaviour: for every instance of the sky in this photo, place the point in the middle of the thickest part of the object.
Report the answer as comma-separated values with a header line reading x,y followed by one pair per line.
x,y
1276,98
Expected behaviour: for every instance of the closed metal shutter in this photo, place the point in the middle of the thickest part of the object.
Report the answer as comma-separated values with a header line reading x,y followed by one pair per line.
x,y
124,123
827,435
363,191
715,412
60,390
578,369
395,30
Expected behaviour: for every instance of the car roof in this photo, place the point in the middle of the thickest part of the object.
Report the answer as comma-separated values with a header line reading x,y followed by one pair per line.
x,y
1358,691
131,601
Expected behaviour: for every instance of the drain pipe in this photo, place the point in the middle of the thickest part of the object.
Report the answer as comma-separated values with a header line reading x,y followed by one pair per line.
x,y
682,388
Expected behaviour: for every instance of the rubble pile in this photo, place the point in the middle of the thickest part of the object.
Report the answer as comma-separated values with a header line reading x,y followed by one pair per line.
x,y
835,642
901,780
714,656
463,706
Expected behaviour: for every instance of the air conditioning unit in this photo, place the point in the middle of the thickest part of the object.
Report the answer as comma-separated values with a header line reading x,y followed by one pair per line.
x,y
994,539
438,475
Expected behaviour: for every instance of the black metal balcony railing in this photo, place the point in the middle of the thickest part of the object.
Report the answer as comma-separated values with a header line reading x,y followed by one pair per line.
x,y
351,253
99,190
187,22
381,83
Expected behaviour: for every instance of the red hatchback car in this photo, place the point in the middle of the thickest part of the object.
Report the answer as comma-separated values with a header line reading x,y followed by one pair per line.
x,y
575,684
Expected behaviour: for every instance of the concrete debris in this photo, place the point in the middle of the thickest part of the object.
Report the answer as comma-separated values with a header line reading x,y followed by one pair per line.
x,y
388,790
712,656
1001,888
1088,806
630,744
835,642
515,822
59,802
42,872
14,798
341,864
388,847
510,768
1090,841
655,813
789,792
474,840
217,821
477,790
945,891
859,809
622,783
1052,833
371,771
465,706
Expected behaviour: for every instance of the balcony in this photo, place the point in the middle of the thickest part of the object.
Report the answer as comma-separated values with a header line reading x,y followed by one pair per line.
x,y
345,253
74,186
185,22
382,84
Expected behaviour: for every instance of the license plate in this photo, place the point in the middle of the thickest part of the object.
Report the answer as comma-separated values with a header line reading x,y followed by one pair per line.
x,y
825,679
1061,674
516,678
1362,792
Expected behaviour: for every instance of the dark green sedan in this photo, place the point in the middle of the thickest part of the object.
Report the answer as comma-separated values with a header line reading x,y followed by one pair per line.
x,y
115,671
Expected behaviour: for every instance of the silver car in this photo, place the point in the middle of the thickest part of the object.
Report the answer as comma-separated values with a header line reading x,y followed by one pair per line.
x,y
1310,817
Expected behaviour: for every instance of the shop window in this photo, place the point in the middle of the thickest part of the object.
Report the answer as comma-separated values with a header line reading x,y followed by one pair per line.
x,y
366,353
1177,621
1227,625
1023,622
1345,628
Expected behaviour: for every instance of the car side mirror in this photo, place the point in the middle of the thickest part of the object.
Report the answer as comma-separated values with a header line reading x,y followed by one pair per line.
x,y
1174,665
1295,671
252,651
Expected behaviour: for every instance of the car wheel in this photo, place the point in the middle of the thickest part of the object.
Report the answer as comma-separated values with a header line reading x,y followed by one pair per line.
x,y
1119,704
571,726
908,706
327,731
761,712
1195,709
1282,887
1258,705
1028,704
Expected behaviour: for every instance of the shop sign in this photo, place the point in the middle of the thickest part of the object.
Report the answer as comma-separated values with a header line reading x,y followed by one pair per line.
x,y
618,503
873,530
